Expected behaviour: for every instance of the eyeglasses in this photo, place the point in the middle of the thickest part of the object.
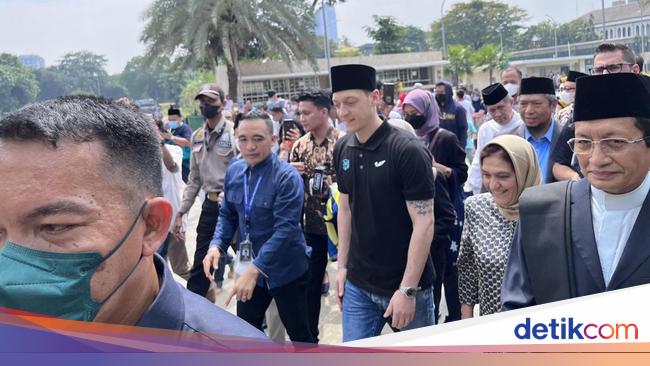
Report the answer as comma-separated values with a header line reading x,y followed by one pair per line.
x,y
582,146
611,69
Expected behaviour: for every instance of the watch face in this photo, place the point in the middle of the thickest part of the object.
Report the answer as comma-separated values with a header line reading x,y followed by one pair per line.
x,y
410,292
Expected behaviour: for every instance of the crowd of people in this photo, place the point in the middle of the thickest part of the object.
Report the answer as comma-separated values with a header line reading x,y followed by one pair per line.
x,y
521,193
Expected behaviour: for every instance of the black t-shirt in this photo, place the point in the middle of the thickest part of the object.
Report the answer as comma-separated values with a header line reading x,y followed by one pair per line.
x,y
562,153
379,176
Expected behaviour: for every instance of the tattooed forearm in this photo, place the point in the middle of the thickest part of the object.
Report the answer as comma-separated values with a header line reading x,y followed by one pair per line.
x,y
422,208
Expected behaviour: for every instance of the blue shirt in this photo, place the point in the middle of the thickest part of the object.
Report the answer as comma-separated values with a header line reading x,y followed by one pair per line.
x,y
542,148
177,308
279,248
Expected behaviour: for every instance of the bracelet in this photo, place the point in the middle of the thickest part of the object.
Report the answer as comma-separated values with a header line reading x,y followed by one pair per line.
x,y
342,266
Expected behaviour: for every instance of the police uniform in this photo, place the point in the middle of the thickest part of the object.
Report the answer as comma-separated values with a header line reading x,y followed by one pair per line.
x,y
212,151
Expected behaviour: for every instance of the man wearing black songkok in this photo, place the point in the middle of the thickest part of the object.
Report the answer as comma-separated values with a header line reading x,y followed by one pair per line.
x,y
385,218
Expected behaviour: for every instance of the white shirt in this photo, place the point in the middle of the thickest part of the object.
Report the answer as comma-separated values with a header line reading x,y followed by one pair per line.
x,y
488,131
613,217
172,183
469,108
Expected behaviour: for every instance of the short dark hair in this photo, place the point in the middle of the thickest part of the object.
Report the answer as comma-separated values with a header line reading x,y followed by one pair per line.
x,y
643,124
494,149
271,93
460,94
320,98
640,61
258,115
628,54
131,143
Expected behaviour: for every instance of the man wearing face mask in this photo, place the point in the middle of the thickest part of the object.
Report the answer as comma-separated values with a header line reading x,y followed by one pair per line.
x,y
85,248
181,135
453,117
567,95
213,147
511,80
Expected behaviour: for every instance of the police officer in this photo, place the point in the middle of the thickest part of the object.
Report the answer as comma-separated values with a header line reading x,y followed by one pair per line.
x,y
212,149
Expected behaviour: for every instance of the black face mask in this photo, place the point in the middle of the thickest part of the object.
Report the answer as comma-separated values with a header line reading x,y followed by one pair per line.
x,y
416,121
441,98
210,111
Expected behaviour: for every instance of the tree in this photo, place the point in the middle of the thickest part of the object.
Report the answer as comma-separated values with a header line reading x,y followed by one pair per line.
x,y
415,39
459,61
161,80
345,49
84,72
51,83
18,85
211,31
387,35
579,30
488,58
479,22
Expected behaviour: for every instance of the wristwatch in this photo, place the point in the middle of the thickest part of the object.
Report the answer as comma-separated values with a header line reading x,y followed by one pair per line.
x,y
408,291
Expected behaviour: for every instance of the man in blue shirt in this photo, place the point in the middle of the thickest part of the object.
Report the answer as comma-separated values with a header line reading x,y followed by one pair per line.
x,y
537,102
264,200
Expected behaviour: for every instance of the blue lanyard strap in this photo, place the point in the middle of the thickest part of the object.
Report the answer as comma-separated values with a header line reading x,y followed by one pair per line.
x,y
248,205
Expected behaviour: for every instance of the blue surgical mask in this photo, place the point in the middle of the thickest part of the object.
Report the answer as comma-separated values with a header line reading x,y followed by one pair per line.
x,y
54,284
173,124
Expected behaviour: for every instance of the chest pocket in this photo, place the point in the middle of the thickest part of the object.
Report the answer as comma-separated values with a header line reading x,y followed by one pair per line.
x,y
224,144
263,201
235,197
197,147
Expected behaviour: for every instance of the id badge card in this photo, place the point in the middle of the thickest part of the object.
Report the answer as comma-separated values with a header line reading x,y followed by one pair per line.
x,y
244,257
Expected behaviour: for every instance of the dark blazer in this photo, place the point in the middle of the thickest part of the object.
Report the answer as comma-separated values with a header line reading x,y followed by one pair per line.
x,y
554,141
633,268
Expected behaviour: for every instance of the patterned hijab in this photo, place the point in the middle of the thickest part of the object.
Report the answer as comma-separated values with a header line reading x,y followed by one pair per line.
x,y
526,166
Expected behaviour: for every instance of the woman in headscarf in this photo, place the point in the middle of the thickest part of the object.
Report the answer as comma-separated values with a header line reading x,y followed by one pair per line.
x,y
421,111
508,166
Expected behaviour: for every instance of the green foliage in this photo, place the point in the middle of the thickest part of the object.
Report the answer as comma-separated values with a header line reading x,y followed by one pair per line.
x,y
479,22
488,58
18,85
459,61
579,30
160,80
205,32
345,49
387,34
83,72
51,83
415,39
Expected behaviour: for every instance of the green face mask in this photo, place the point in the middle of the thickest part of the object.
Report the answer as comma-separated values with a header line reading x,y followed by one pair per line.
x,y
54,284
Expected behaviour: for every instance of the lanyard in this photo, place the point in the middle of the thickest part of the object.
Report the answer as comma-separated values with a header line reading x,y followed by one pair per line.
x,y
248,205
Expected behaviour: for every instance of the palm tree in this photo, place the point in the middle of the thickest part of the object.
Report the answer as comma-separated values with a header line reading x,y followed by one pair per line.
x,y
488,58
459,61
206,32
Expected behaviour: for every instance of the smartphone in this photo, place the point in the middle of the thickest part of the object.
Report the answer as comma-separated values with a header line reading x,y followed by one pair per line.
x,y
287,126
388,90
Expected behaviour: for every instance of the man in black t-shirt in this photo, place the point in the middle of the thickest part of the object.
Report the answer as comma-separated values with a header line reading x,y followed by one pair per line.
x,y
385,218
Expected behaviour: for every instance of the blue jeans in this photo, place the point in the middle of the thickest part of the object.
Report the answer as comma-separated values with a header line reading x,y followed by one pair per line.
x,y
363,312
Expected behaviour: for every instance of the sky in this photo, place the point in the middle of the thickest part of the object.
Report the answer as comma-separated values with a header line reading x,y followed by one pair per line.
x,y
52,28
